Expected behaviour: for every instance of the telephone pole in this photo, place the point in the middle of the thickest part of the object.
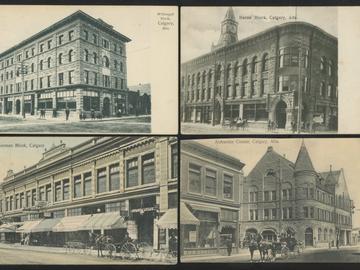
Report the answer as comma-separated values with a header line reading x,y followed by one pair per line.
x,y
22,71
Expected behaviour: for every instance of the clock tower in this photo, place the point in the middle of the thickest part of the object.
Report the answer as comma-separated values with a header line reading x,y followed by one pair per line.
x,y
229,29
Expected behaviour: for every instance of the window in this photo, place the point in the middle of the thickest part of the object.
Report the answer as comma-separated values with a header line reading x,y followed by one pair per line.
x,y
273,213
74,212
86,55
228,186
95,39
17,199
71,76
289,57
105,43
87,184
101,180
244,67
61,37
288,83
115,64
28,198
322,89
210,182
116,82
95,78
253,87
121,50
49,62
95,57
33,197
32,67
86,35
71,35
32,51
70,55
254,65
22,200
41,47
106,62
48,193
114,177
60,58
253,196
174,161
86,76
42,193
266,214
49,81
148,169
266,196
106,81
49,44
77,186
32,84
122,83
61,78
194,178
254,214
306,212
66,189
322,63
41,64
41,83
132,173
329,90
27,54
265,62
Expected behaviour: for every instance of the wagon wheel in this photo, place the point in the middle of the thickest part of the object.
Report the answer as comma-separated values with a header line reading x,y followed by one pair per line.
x,y
110,250
144,248
284,253
129,251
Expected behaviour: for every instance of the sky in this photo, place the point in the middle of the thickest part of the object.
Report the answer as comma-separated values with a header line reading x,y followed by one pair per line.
x,y
200,26
20,22
338,152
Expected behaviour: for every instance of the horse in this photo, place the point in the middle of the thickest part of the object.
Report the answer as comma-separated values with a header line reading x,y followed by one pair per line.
x,y
257,243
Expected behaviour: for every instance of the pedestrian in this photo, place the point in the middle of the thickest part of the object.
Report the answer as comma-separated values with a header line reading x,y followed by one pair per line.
x,y
67,113
44,113
337,243
229,245
293,127
173,245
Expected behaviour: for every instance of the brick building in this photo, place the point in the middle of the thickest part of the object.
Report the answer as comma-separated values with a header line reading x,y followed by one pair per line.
x,y
78,63
257,78
110,185
281,197
210,199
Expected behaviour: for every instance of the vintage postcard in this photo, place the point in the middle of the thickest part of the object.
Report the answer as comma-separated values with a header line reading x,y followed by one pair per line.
x,y
88,200
259,70
88,69
269,200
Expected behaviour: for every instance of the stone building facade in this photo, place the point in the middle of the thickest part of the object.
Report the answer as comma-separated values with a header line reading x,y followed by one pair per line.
x,y
132,180
209,190
257,78
282,197
77,63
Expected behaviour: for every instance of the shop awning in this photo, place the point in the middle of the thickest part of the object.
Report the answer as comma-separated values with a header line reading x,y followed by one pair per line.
x,y
70,224
7,228
28,226
186,217
205,208
46,225
168,220
106,221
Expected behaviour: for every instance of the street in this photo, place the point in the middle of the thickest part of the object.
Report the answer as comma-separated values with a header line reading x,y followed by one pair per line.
x,y
141,124
198,128
21,256
319,255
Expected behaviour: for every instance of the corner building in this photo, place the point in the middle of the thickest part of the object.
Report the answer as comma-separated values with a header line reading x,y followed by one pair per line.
x,y
257,78
210,199
104,185
282,197
77,63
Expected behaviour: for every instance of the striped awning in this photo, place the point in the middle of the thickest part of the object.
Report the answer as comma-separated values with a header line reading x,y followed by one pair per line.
x,y
28,226
7,228
46,225
186,217
106,221
168,220
70,224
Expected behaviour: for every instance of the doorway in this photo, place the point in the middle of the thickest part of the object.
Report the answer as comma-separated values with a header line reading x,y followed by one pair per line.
x,y
280,112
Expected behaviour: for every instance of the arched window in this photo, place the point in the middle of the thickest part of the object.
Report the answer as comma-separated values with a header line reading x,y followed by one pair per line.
x,y
115,64
228,70
265,62
60,58
322,63
254,65
86,55
319,234
329,92
218,73
95,58
244,67
198,79
330,68
322,89
193,79
325,235
49,62
70,55
236,69
41,64
106,62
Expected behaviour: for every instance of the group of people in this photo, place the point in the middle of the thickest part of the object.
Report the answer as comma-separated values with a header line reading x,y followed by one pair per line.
x,y
54,113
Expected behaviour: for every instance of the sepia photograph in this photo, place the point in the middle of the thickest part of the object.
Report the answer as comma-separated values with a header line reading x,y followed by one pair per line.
x,y
269,200
88,200
84,69
259,70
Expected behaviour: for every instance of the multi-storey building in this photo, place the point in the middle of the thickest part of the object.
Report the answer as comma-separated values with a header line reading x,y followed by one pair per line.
x,y
282,197
258,78
210,199
78,63
106,185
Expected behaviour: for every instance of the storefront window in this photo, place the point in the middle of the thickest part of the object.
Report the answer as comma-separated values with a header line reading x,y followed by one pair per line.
x,y
101,180
174,160
114,177
91,103
207,229
210,182
77,186
87,184
148,169
45,104
228,186
132,173
74,211
194,178
59,214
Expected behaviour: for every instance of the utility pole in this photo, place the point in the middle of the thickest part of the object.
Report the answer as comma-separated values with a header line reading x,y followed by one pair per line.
x,y
22,71
299,94
280,198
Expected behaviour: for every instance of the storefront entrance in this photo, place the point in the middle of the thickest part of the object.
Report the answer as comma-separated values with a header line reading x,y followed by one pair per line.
x,y
18,106
281,114
106,107
309,237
